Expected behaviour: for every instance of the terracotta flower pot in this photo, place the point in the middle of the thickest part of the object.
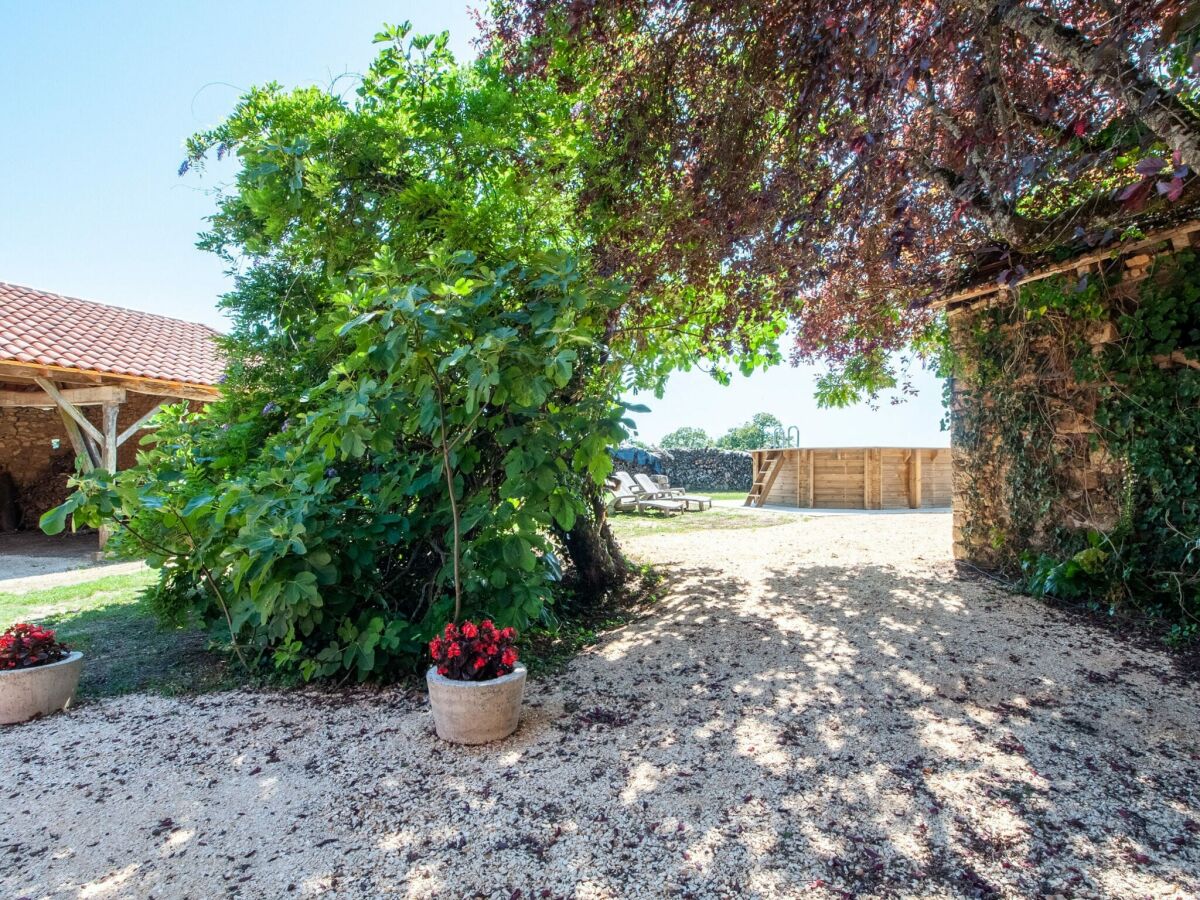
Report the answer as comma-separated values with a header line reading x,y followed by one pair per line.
x,y
38,690
475,712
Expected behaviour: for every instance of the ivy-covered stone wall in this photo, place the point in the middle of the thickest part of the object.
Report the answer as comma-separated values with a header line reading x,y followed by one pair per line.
x,y
1076,432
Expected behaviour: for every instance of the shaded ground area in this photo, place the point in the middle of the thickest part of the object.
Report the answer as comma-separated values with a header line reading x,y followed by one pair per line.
x,y
30,560
126,648
816,709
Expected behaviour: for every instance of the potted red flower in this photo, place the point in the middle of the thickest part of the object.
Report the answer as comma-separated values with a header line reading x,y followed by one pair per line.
x,y
38,675
475,683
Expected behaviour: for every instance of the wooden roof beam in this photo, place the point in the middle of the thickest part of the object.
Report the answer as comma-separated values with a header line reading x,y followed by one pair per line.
x,y
1179,238
27,372
178,391
71,410
94,396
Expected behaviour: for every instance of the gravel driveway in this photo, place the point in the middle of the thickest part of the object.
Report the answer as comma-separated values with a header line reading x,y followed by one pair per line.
x,y
817,709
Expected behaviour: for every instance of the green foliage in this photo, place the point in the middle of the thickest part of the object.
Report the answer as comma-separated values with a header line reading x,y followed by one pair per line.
x,y
422,373
1077,576
320,528
686,438
1144,391
763,430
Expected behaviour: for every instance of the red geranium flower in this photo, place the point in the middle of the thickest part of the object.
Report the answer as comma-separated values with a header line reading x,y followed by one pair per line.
x,y
471,652
24,645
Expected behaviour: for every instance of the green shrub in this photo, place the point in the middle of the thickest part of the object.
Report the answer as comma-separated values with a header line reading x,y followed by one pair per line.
x,y
321,527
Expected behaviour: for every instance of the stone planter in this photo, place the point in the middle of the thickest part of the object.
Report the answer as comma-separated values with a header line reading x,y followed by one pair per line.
x,y
38,690
475,712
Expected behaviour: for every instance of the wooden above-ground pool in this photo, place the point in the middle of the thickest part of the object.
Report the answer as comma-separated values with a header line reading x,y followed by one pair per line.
x,y
852,477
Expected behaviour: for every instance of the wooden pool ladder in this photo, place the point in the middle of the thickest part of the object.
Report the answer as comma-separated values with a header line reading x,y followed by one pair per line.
x,y
764,478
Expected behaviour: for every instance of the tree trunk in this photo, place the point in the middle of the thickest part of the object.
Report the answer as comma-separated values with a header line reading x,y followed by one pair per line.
x,y
1002,223
1161,112
595,555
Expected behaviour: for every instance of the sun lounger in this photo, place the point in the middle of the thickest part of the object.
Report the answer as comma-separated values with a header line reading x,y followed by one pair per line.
x,y
630,496
646,484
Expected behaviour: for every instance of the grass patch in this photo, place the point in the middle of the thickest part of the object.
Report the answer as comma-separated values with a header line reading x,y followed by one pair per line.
x,y
640,524
124,647
739,496
546,651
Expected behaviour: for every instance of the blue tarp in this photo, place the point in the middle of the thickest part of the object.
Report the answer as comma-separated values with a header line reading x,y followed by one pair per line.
x,y
638,457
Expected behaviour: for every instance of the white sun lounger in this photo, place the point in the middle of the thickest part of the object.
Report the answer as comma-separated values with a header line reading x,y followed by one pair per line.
x,y
630,495
648,485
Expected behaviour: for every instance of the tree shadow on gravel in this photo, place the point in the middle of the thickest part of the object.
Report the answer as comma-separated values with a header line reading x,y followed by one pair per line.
x,y
824,731
877,732
855,732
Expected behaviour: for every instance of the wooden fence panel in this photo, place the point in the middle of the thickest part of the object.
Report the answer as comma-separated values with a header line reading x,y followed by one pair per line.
x,y
862,478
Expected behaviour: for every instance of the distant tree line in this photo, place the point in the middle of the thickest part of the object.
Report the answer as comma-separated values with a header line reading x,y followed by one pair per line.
x,y
763,430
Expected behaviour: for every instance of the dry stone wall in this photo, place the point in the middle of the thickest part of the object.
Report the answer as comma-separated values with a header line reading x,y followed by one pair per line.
x,y
708,469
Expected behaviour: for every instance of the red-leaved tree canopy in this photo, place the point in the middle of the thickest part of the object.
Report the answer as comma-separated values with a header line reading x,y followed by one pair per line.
x,y
844,163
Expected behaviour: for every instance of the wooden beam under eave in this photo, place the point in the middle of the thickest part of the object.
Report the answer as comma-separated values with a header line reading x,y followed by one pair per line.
x,y
84,452
64,404
138,425
11,369
176,391
16,371
91,396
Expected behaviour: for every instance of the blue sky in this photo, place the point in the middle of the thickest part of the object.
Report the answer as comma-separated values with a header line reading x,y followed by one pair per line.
x,y
101,96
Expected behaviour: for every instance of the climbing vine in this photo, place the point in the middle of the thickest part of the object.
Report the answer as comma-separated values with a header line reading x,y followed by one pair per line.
x,y
1078,425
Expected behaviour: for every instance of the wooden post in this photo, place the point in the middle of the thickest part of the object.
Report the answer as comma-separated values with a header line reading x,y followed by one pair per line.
x,y
866,478
111,411
812,479
110,436
798,453
914,479
879,471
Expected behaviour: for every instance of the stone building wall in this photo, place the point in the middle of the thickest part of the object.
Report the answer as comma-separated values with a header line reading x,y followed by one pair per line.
x,y
38,468
1088,481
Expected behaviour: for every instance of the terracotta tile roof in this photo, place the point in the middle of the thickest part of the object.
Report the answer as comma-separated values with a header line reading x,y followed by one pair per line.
x,y
52,330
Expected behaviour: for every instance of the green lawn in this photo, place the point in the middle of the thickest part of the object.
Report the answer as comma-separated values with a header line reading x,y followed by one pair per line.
x,y
635,524
124,648
739,496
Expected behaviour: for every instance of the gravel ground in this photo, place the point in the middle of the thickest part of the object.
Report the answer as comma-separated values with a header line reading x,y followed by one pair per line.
x,y
30,559
816,709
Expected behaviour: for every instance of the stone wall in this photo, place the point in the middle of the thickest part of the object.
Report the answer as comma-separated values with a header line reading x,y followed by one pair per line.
x,y
1017,487
699,470
36,454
